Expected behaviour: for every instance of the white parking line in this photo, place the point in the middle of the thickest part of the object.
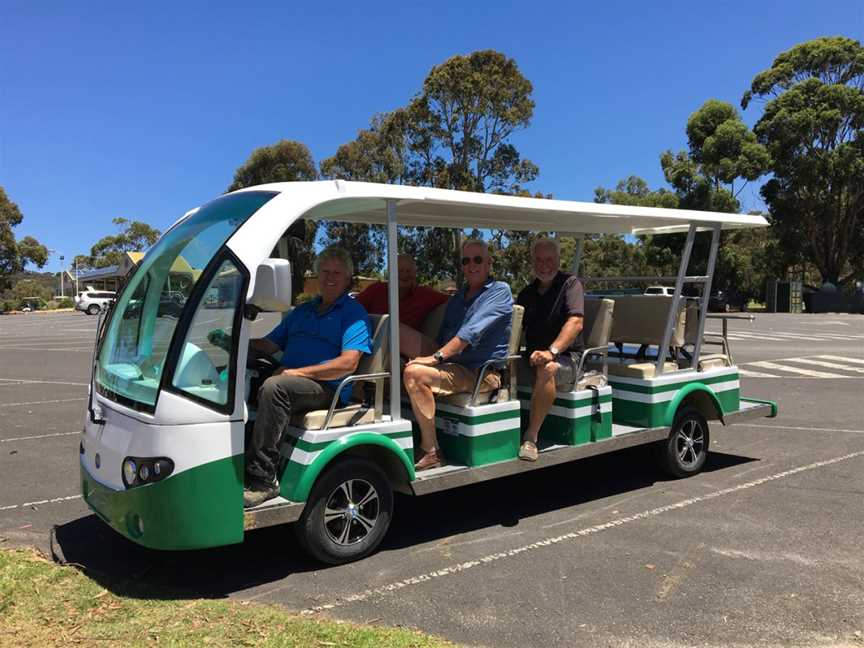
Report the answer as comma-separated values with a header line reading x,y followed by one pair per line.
x,y
39,503
38,436
830,365
573,535
789,427
755,374
70,349
26,381
841,358
59,400
805,372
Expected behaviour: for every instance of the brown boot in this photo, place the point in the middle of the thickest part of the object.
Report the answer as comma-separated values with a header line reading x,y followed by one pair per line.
x,y
432,459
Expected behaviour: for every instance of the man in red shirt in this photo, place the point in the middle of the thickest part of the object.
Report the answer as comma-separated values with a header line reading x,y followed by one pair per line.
x,y
415,303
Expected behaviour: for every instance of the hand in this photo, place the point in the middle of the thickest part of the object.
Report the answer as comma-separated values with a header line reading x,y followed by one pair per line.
x,y
540,358
285,371
220,339
428,361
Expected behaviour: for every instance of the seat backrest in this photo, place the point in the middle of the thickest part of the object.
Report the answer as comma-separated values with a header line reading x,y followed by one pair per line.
x,y
515,329
432,323
597,322
641,319
691,327
378,360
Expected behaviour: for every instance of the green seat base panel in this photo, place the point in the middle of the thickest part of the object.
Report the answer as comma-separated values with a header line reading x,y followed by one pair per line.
x,y
576,417
476,436
652,402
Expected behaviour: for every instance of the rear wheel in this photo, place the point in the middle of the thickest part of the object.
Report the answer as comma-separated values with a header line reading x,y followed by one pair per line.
x,y
686,449
348,512
93,309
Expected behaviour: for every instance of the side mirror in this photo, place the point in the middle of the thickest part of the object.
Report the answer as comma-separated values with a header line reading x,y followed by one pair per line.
x,y
272,286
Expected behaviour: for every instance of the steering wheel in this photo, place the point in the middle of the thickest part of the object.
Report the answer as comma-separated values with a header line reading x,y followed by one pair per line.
x,y
260,361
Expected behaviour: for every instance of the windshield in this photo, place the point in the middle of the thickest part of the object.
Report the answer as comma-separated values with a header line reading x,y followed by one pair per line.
x,y
132,357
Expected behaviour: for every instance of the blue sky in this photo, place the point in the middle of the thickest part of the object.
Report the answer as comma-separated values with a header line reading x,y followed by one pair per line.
x,y
109,109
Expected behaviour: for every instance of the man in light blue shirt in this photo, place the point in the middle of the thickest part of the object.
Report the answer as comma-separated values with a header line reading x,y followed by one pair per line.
x,y
476,328
321,341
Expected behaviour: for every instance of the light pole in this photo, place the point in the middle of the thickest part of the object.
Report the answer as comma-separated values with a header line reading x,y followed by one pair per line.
x,y
61,276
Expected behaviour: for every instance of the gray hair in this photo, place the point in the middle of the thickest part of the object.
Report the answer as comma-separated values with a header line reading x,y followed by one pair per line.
x,y
337,253
473,241
545,240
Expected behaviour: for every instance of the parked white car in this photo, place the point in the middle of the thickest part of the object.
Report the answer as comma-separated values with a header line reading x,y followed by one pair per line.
x,y
92,301
660,290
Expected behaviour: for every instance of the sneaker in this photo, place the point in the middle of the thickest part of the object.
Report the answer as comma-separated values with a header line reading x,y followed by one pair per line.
x,y
528,451
258,492
432,459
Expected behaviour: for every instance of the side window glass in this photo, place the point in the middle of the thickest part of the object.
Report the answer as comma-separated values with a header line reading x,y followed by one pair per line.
x,y
204,367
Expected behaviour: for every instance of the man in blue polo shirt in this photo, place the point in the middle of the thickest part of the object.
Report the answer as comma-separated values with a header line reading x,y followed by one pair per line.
x,y
476,328
321,341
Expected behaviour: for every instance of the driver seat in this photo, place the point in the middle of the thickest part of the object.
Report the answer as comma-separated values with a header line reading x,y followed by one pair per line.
x,y
372,369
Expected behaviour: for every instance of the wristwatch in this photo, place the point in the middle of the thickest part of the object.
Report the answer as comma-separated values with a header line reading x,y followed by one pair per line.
x,y
554,351
439,357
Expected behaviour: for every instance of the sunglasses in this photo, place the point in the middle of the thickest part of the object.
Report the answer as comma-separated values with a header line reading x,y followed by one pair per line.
x,y
478,260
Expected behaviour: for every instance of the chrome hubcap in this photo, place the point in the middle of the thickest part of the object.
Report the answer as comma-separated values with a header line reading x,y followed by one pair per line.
x,y
690,443
351,512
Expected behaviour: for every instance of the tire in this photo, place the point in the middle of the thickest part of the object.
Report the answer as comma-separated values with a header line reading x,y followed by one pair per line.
x,y
93,309
348,512
686,449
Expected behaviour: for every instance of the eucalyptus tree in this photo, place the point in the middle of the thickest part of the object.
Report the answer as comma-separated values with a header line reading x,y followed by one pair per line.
x,y
813,127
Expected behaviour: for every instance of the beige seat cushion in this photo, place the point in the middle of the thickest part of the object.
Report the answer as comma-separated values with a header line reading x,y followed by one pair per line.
x,y
591,379
463,399
638,369
314,420
714,361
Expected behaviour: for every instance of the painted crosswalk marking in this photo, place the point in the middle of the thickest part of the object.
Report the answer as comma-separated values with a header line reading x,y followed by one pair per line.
x,y
755,374
841,358
765,364
830,365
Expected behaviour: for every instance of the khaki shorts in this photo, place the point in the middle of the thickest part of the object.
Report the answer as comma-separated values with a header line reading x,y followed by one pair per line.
x,y
568,363
457,379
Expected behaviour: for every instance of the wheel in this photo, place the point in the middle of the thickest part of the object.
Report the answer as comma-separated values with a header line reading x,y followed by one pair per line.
x,y
93,309
685,451
348,512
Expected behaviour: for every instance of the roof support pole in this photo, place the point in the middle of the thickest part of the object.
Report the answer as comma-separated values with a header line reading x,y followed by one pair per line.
x,y
393,298
577,257
672,318
706,294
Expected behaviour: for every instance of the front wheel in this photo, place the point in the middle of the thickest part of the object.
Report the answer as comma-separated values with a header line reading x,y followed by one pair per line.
x,y
93,309
686,449
348,512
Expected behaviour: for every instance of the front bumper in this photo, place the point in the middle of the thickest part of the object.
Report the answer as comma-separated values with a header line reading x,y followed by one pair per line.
x,y
197,508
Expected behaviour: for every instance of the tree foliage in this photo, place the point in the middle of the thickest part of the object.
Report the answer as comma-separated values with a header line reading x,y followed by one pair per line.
x,y
813,127
454,134
14,254
284,161
133,236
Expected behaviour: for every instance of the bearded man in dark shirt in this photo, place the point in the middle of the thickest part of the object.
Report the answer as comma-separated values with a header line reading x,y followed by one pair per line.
x,y
554,307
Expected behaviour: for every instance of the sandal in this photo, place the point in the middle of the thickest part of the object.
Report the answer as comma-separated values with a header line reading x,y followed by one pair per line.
x,y
432,459
528,451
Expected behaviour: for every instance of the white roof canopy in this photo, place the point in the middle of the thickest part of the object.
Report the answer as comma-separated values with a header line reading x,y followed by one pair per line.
x,y
361,202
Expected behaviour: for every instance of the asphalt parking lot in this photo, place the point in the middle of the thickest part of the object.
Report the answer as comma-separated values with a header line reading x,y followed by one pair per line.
x,y
761,549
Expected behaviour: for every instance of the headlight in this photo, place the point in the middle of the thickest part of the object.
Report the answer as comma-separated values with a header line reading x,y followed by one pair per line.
x,y
138,471
130,472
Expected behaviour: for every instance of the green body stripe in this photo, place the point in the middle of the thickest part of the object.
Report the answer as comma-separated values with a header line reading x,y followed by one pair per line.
x,y
573,404
655,389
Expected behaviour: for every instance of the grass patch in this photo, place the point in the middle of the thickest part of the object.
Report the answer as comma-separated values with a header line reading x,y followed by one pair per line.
x,y
43,604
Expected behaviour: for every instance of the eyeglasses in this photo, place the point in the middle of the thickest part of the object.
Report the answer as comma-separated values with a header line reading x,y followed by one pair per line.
x,y
478,260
